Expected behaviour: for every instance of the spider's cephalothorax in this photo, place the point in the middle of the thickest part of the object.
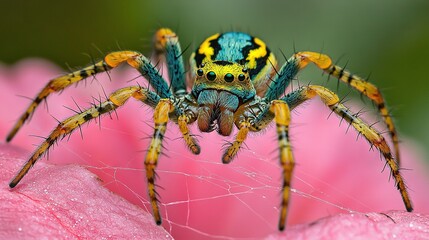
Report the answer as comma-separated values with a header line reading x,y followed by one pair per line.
x,y
249,52
235,82
227,70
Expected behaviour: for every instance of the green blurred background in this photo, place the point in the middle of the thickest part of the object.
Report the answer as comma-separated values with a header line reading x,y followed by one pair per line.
x,y
388,39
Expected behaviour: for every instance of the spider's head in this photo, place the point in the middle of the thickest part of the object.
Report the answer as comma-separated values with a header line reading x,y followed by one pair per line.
x,y
220,87
224,76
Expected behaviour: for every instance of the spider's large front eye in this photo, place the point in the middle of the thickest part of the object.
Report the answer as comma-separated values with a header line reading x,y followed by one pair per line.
x,y
229,77
211,75
241,77
200,72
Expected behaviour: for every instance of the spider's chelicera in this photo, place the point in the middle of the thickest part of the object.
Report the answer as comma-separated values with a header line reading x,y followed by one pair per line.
x,y
234,83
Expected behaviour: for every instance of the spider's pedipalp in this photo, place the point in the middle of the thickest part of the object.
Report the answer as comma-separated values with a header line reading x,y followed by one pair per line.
x,y
190,141
232,149
331,100
67,126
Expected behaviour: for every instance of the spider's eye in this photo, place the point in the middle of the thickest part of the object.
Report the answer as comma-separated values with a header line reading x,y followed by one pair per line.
x,y
241,77
200,72
211,75
229,77
244,70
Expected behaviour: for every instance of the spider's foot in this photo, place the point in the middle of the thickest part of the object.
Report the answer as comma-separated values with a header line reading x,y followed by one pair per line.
x,y
226,158
195,149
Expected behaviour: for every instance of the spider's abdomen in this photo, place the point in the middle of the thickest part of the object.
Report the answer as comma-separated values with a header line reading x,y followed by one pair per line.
x,y
248,51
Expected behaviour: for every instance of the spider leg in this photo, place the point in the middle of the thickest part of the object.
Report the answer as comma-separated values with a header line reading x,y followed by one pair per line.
x,y
331,100
160,116
282,118
255,119
166,44
324,62
232,150
112,60
115,100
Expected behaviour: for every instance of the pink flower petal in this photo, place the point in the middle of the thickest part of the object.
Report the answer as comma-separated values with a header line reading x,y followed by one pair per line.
x,y
60,202
391,225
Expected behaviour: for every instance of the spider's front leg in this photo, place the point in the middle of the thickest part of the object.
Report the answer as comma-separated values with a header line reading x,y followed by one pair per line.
x,y
282,118
161,114
162,110
324,62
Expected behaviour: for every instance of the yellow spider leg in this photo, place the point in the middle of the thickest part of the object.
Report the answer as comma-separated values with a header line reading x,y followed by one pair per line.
x,y
332,101
57,84
190,141
115,100
282,118
324,62
162,110
232,150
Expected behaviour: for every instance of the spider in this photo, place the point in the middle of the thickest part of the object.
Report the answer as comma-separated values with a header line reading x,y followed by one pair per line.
x,y
234,81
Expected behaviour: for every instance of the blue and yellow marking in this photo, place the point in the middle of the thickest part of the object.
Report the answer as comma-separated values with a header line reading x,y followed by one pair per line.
x,y
251,52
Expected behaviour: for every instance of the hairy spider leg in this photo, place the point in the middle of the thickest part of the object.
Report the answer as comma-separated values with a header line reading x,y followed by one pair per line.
x,y
160,118
282,118
112,60
167,45
115,100
324,62
331,100
55,85
282,79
